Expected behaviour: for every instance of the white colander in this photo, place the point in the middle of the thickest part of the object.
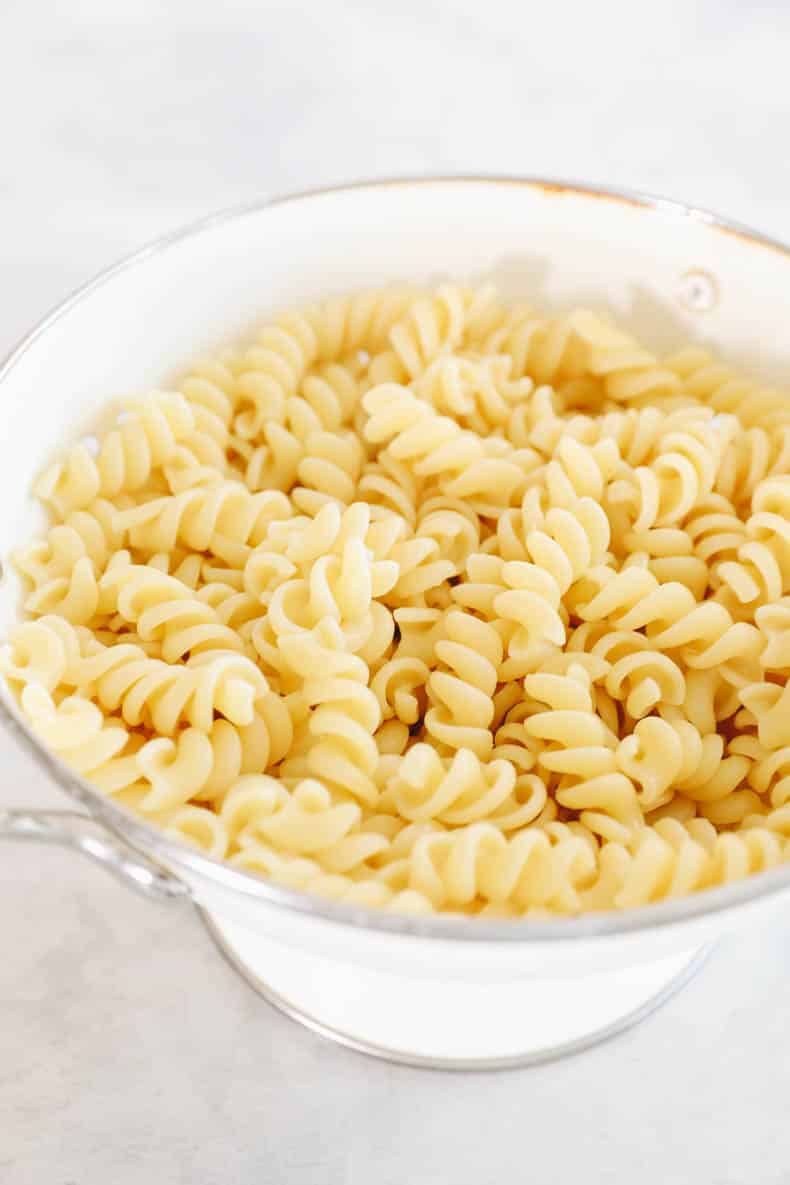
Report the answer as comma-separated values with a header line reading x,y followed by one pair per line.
x,y
430,991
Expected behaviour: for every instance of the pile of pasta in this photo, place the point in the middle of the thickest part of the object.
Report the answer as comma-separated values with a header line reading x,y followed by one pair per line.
x,y
424,601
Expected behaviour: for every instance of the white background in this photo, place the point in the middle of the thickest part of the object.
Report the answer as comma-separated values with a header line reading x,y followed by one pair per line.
x,y
129,1052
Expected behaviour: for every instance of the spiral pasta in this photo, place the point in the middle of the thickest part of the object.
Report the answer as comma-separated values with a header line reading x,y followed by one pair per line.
x,y
424,602
453,869
124,678
433,325
462,686
225,519
435,446
461,790
126,458
78,732
164,610
478,392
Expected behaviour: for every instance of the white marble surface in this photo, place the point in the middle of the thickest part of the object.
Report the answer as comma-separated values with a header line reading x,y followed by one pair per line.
x,y
128,1050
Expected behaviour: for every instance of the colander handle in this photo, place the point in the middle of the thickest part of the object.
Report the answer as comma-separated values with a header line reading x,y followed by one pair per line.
x,y
81,833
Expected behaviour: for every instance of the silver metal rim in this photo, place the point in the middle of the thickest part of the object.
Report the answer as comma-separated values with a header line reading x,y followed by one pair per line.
x,y
146,839
516,1061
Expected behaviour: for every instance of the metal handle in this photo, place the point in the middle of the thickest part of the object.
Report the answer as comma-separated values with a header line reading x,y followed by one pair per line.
x,y
81,833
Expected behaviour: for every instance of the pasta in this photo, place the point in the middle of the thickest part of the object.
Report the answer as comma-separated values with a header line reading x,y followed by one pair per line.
x,y
424,602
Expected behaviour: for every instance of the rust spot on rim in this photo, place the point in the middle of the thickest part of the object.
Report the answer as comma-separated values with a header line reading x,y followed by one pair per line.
x,y
750,238
653,205
559,189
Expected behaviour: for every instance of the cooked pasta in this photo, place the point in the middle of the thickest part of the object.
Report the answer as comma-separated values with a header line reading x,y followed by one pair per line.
x,y
424,602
